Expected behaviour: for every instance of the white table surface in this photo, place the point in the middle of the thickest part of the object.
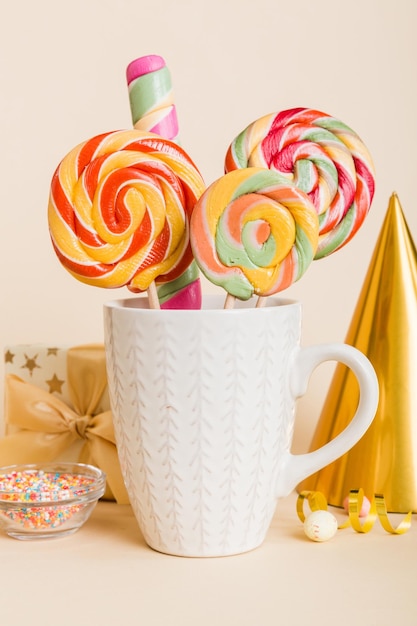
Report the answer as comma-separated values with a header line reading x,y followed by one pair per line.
x,y
106,575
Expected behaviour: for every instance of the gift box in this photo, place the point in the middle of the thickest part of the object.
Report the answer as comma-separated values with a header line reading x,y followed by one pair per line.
x,y
57,409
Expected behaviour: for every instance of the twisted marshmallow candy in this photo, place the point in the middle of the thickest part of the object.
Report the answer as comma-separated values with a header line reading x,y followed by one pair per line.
x,y
153,110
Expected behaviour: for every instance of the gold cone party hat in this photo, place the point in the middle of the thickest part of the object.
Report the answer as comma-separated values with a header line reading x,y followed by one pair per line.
x,y
384,328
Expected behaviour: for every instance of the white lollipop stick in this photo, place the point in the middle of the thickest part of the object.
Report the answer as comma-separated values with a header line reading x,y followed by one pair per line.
x,y
153,296
230,301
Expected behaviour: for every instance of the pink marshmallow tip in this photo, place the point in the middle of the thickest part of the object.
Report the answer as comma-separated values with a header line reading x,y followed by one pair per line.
x,y
144,65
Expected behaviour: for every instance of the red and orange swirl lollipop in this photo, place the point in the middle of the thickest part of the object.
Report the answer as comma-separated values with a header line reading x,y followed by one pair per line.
x,y
119,209
323,157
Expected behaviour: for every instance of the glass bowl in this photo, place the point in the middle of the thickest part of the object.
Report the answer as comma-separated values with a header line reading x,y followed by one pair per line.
x,y
45,500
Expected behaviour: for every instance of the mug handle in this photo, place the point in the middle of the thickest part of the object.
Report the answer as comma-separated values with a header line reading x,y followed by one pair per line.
x,y
296,467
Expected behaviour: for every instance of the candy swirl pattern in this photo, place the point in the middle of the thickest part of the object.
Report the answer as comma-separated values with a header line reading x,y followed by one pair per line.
x,y
323,157
119,209
253,232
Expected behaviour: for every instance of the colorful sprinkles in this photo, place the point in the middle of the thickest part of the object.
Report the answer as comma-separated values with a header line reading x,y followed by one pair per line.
x,y
25,489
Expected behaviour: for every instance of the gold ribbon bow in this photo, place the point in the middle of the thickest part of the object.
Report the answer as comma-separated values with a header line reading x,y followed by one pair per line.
x,y
41,427
318,502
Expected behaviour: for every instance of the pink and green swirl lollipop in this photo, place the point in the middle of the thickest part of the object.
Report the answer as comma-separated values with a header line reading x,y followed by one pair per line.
x,y
323,157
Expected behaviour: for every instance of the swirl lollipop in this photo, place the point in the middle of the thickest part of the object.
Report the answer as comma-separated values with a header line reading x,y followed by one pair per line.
x,y
119,210
323,157
253,232
153,110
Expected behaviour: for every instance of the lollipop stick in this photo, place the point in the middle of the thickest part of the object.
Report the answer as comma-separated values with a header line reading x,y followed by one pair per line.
x,y
230,301
153,296
261,301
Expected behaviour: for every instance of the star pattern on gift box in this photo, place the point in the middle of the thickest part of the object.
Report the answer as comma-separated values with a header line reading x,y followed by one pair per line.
x,y
42,365
55,384
30,363
9,356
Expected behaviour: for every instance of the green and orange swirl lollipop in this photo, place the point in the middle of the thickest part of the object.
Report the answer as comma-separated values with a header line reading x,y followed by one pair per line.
x,y
254,233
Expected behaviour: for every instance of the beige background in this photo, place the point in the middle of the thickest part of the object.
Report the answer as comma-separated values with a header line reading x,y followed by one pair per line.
x,y
62,77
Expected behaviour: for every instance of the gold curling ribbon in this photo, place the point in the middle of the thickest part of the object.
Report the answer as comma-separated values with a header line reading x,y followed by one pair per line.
x,y
41,427
317,502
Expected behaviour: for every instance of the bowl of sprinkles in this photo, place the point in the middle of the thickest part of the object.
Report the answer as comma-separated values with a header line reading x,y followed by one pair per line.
x,y
41,501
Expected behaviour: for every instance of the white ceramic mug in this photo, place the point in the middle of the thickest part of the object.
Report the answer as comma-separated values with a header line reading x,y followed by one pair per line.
x,y
203,405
